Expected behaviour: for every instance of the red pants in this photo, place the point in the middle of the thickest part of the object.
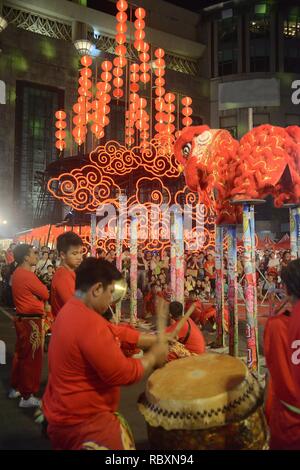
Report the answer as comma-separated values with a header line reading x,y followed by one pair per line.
x,y
105,431
28,358
284,427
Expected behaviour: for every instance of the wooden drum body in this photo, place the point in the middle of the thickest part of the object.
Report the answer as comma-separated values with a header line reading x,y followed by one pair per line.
x,y
206,402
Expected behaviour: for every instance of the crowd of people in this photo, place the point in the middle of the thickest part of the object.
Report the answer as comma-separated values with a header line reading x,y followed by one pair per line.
x,y
90,357
154,271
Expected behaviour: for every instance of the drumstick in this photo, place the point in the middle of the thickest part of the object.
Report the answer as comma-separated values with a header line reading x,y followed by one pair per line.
x,y
161,318
281,306
182,322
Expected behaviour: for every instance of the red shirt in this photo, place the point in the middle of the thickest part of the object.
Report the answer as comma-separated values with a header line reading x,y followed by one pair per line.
x,y
86,366
29,293
294,347
280,334
62,288
277,357
195,342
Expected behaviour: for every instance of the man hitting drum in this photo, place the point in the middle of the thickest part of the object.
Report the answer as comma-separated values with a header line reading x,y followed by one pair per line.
x,y
87,367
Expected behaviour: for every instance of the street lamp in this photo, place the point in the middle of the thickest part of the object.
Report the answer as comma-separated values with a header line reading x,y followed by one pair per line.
x,y
83,46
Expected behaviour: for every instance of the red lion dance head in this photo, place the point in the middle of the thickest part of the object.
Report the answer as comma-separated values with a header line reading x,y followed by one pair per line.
x,y
265,162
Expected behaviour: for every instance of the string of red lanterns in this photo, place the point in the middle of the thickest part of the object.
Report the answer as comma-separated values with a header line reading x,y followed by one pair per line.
x,y
187,111
120,61
60,134
83,106
137,118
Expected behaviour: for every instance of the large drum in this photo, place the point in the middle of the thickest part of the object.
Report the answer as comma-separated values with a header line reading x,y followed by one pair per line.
x,y
204,402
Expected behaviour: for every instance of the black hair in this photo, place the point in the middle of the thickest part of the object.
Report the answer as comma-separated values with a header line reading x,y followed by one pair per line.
x,y
290,276
93,270
66,240
176,309
20,252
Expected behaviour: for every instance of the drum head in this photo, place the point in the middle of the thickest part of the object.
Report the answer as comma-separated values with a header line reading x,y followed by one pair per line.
x,y
199,392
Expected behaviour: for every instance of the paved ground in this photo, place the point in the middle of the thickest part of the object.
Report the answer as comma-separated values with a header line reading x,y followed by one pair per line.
x,y
17,427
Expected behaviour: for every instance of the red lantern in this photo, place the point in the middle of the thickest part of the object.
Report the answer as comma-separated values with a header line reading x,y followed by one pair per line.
x,y
60,145
169,97
121,38
142,103
144,67
60,115
145,77
121,17
159,91
120,61
86,72
86,61
139,24
186,101
117,72
134,77
134,68
134,87
144,57
187,111
159,53
121,28
106,76
121,50
106,65
122,5
139,35
187,121
60,135
61,124
140,13
117,82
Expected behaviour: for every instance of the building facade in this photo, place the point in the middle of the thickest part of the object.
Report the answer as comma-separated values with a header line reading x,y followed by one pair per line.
x,y
223,49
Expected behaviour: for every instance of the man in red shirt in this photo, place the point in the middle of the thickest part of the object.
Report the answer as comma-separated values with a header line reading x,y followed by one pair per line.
x,y
69,247
190,336
282,351
29,295
87,367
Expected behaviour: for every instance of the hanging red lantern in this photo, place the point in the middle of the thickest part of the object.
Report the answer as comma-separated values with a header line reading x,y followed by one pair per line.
x,y
60,115
145,77
121,17
140,13
186,101
60,145
120,61
122,5
134,87
86,61
169,97
187,121
139,35
159,53
60,135
187,111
